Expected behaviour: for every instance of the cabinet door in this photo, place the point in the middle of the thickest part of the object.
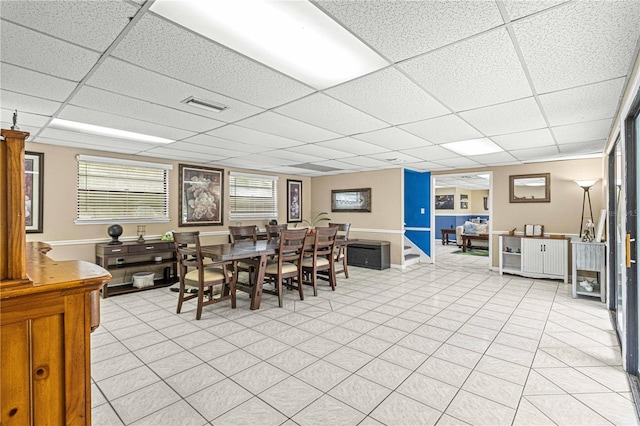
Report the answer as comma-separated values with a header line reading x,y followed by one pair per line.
x,y
532,255
555,256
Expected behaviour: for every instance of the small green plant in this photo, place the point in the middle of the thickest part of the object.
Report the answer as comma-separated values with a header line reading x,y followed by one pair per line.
x,y
318,218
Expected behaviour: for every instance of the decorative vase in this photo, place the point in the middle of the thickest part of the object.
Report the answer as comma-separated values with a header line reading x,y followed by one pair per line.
x,y
114,232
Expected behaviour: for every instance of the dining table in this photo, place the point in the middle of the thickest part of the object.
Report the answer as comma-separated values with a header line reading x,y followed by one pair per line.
x,y
260,250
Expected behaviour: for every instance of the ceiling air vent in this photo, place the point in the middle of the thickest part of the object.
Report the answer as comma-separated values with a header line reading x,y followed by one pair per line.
x,y
204,104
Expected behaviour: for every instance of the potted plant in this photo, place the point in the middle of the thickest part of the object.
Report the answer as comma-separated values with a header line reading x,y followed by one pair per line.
x,y
318,218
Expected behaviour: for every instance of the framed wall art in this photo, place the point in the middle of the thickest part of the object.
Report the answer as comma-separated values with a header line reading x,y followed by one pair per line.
x,y
444,202
464,201
351,200
33,191
201,195
294,201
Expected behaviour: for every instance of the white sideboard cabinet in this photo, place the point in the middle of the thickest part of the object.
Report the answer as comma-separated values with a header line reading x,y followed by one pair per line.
x,y
535,257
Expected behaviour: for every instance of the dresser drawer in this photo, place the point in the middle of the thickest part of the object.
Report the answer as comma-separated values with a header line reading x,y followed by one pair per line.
x,y
114,249
150,247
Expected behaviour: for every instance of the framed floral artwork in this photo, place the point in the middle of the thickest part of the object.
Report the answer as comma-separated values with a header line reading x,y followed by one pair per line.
x,y
201,195
294,201
33,190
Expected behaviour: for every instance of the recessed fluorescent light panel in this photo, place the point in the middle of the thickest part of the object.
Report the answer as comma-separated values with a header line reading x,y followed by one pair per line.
x,y
473,147
204,104
106,131
293,37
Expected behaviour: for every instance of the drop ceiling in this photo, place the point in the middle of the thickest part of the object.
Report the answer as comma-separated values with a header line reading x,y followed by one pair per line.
x,y
541,79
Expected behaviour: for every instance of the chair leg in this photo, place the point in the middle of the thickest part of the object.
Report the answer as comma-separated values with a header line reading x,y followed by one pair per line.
x,y
200,302
332,277
233,292
180,297
300,279
314,281
279,291
344,263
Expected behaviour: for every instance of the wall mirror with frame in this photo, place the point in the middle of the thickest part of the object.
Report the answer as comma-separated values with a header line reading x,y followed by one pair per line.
x,y
532,188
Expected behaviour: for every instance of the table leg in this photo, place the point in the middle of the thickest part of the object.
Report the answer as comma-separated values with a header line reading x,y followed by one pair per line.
x,y
443,237
256,296
465,241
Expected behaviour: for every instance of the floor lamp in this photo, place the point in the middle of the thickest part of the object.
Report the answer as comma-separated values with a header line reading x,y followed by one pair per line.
x,y
586,196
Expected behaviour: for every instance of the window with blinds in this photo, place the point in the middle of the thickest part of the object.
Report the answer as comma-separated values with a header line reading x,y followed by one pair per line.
x,y
252,196
111,189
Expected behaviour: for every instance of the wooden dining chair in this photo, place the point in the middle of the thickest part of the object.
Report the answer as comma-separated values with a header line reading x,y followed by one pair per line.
x,y
244,233
217,281
288,264
321,258
340,250
273,231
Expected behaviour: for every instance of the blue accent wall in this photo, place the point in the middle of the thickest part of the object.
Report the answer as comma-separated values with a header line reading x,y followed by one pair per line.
x,y
417,196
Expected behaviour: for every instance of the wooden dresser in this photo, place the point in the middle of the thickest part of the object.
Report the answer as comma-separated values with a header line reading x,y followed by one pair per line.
x,y
47,311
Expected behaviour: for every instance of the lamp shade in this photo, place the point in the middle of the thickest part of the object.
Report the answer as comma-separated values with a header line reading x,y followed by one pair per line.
x,y
586,183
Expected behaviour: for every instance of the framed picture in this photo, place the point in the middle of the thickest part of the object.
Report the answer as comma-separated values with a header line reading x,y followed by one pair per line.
x,y
33,191
294,201
351,200
444,202
464,201
201,195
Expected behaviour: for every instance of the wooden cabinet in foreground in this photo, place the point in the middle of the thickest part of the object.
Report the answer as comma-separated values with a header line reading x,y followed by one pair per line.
x,y
48,309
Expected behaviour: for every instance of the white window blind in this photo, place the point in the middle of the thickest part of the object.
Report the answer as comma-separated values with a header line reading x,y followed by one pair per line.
x,y
111,189
252,196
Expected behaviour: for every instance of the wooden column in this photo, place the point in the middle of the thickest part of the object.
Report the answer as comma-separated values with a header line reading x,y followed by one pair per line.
x,y
12,209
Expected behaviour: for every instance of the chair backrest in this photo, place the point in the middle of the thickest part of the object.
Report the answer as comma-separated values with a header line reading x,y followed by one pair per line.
x,y
343,229
291,245
239,233
187,245
273,231
325,241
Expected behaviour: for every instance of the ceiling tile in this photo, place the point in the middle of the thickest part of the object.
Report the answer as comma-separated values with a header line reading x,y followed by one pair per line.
x,y
393,138
401,30
353,146
529,154
24,118
579,43
195,156
39,52
396,157
276,124
320,151
590,147
171,50
495,158
258,161
520,8
35,84
291,156
581,132
121,77
78,22
224,144
253,137
459,162
184,157
484,70
120,105
325,112
426,166
443,129
98,118
509,117
389,96
366,162
26,103
209,150
89,141
107,149
586,103
340,165
522,140
431,153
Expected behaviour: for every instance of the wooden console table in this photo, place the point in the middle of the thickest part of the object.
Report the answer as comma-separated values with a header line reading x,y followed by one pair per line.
x,y
445,235
467,238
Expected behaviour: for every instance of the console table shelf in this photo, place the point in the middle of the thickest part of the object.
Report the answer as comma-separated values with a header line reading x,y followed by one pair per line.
x,y
137,257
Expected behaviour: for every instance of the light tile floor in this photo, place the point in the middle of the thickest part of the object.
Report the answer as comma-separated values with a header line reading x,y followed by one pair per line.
x,y
448,344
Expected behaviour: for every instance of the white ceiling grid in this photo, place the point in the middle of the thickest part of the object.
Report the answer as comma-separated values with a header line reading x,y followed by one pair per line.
x,y
541,79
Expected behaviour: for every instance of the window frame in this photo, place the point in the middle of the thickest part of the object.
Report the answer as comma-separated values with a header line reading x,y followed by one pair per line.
x,y
81,219
235,215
